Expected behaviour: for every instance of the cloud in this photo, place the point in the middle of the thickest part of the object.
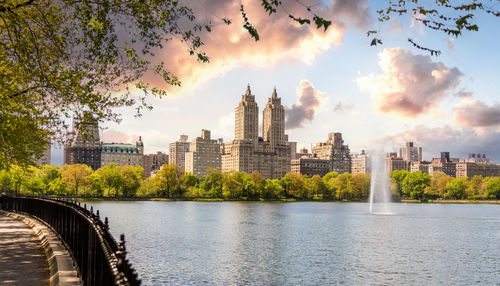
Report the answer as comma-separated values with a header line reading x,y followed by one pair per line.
x,y
474,113
458,141
463,93
281,38
307,104
451,43
352,11
115,136
410,85
342,106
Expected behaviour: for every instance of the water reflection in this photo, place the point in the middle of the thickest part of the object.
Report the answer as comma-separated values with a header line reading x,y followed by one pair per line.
x,y
228,243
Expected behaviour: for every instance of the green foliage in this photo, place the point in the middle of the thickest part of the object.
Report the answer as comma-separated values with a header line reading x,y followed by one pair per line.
x,y
474,187
61,59
455,189
493,188
444,16
397,178
168,181
171,182
76,176
414,184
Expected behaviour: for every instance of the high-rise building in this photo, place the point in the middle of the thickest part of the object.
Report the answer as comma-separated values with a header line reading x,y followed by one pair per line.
x,y
122,154
444,164
336,152
153,162
410,153
178,151
84,146
247,118
471,169
248,152
274,121
360,163
204,153
397,164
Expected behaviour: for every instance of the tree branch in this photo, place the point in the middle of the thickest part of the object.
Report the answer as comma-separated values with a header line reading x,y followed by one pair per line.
x,y
8,9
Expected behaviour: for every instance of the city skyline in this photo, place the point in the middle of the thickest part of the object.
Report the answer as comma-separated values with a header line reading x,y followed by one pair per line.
x,y
336,82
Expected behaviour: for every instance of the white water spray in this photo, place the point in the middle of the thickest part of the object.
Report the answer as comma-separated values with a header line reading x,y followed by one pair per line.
x,y
380,193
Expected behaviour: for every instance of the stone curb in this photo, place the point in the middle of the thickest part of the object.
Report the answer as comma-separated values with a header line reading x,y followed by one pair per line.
x,y
62,270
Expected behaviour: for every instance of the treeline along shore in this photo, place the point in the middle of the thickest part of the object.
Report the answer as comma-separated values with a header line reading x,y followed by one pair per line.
x,y
128,182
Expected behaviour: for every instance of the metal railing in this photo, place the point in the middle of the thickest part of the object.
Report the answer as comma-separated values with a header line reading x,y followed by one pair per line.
x,y
99,259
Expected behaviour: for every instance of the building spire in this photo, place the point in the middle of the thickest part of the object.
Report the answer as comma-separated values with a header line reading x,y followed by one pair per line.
x,y
274,93
249,92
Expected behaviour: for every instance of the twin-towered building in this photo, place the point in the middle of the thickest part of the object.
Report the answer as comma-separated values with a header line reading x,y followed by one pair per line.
x,y
269,155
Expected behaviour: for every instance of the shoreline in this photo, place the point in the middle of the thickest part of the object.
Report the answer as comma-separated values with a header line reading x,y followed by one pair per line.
x,y
94,199
451,201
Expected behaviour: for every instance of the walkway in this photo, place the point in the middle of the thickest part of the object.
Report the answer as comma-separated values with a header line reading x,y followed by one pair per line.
x,y
22,260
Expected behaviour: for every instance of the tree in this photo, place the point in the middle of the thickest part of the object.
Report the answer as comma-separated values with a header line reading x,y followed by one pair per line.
x,y
212,183
414,184
168,180
231,188
437,186
455,189
474,187
493,188
361,186
317,188
273,190
60,59
6,183
111,180
75,176
132,176
344,186
397,178
147,188
57,188
295,185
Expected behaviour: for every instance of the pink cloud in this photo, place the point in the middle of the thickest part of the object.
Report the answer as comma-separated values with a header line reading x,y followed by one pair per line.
x,y
309,100
230,46
410,85
115,136
474,113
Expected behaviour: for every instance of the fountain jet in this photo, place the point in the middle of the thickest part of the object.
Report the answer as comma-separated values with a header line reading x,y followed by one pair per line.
x,y
380,193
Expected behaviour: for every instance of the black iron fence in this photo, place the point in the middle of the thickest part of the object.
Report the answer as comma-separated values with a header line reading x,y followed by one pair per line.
x,y
99,259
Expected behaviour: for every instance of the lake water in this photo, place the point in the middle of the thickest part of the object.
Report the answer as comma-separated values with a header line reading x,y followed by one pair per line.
x,y
236,243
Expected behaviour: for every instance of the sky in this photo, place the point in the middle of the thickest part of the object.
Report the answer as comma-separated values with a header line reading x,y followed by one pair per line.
x,y
331,81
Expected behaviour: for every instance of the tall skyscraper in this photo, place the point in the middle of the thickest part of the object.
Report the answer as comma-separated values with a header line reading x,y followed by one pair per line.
x,y
247,118
248,152
204,153
274,121
410,153
178,151
84,146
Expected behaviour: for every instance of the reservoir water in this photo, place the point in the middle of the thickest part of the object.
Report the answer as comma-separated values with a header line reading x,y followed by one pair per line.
x,y
306,243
